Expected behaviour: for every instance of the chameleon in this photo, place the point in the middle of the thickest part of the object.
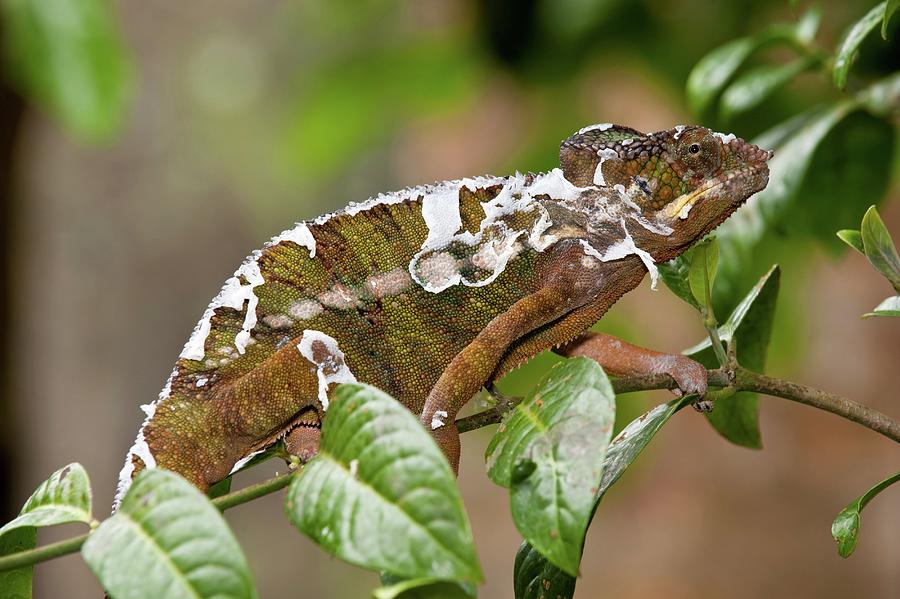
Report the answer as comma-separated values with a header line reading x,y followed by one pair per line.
x,y
433,292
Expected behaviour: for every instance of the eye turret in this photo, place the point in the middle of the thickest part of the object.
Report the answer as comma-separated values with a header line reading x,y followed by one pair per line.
x,y
700,151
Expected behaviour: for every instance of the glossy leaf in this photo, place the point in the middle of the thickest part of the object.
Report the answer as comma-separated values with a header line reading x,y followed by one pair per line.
x,y
808,24
64,497
380,493
752,88
879,247
853,238
889,9
534,577
68,58
845,528
889,307
702,273
167,540
849,45
16,584
563,427
749,326
674,274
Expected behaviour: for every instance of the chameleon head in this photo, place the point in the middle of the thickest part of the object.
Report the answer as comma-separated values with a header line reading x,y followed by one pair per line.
x,y
687,178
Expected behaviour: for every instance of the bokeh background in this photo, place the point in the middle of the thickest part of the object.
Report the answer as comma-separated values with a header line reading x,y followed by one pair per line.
x,y
229,120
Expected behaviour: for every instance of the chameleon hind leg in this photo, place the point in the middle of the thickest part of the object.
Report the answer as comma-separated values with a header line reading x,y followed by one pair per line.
x,y
302,441
620,358
472,367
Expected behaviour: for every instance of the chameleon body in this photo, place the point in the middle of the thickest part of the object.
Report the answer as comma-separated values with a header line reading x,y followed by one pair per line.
x,y
433,292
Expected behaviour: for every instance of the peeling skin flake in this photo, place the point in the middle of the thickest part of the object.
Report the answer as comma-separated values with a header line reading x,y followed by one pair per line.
x,y
597,127
622,248
604,154
232,295
726,138
437,419
243,461
333,362
299,234
496,243
679,129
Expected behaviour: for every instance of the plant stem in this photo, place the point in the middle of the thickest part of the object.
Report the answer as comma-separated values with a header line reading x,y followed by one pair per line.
x,y
54,550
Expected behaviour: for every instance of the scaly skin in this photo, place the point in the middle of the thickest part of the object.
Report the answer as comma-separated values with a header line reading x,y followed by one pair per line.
x,y
431,302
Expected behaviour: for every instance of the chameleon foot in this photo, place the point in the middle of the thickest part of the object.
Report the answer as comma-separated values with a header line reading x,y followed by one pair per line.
x,y
703,405
303,441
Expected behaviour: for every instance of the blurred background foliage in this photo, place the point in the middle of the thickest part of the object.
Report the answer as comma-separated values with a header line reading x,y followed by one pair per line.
x,y
146,147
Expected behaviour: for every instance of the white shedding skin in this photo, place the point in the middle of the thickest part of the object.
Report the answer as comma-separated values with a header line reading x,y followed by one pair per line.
x,y
385,284
685,210
621,249
679,129
233,295
437,419
597,127
329,369
299,234
440,210
604,154
726,138
243,461
305,309
202,381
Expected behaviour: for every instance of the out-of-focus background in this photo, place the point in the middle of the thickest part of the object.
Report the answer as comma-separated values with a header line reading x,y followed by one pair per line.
x,y
226,121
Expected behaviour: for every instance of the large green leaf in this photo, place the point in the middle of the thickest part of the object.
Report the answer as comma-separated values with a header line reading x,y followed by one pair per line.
x,y
674,274
381,495
879,247
534,577
853,238
702,273
849,45
68,58
750,327
550,452
845,528
167,540
64,497
890,8
753,87
424,588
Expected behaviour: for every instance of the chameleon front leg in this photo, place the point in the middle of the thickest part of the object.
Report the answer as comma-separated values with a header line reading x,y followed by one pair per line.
x,y
472,367
620,358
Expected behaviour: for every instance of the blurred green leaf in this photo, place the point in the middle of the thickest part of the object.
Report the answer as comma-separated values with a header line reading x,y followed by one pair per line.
x,y
381,495
69,59
845,528
64,497
846,51
889,307
882,97
353,104
534,577
167,540
563,427
889,9
749,328
702,273
16,584
880,248
852,238
808,24
674,274
753,87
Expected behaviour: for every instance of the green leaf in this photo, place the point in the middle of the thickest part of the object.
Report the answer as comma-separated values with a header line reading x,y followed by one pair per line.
x,y
808,24
846,51
563,427
853,238
704,262
424,588
534,577
845,528
68,58
881,98
752,88
674,274
750,327
889,9
167,540
64,497
380,493
889,307
880,248
16,584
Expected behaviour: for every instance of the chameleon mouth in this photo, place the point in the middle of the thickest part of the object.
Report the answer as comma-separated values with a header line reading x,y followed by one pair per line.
x,y
751,178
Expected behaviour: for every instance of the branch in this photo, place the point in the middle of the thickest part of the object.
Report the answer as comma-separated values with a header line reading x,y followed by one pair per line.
x,y
740,379
54,550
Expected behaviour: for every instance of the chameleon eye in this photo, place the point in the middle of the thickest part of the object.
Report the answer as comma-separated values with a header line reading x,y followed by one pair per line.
x,y
694,148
